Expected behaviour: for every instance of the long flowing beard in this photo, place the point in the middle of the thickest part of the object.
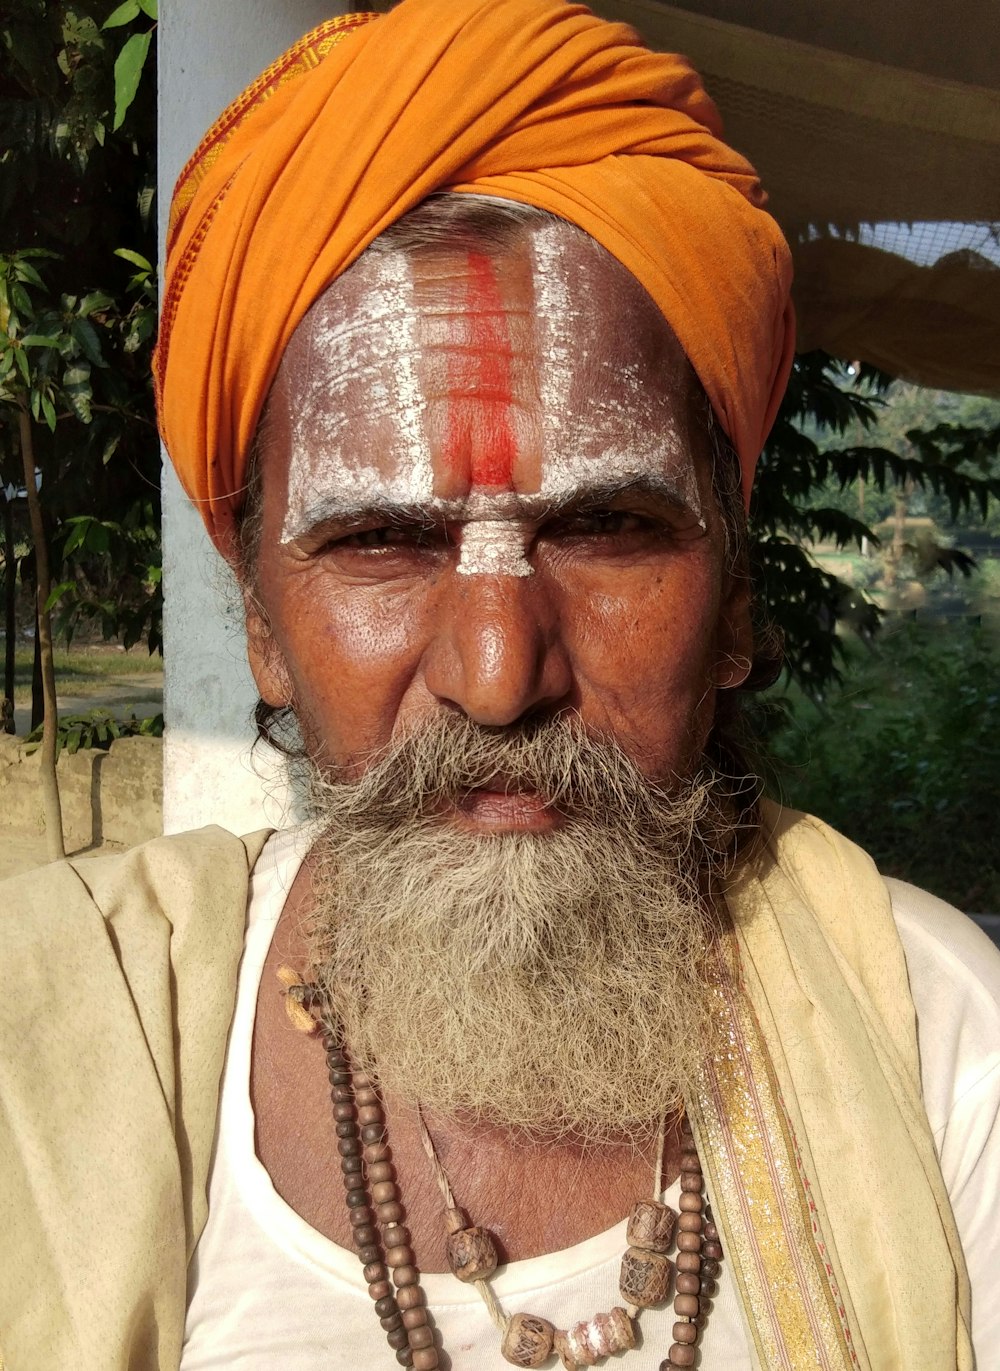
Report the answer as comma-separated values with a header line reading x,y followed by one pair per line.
x,y
550,983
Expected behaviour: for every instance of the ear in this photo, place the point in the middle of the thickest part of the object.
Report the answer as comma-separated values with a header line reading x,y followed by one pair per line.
x,y
734,637
266,660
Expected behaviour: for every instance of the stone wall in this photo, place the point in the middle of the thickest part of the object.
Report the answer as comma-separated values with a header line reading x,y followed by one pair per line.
x,y
114,796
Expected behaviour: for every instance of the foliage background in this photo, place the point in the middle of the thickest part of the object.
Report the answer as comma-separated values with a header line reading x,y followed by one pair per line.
x,y
76,209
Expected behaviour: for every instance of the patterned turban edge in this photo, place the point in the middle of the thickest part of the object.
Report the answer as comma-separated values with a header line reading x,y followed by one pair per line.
x,y
536,101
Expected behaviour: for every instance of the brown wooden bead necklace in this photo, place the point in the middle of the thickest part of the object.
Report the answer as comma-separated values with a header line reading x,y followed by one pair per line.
x,y
383,1242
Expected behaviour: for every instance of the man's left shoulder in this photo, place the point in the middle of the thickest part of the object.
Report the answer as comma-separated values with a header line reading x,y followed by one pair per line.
x,y
954,973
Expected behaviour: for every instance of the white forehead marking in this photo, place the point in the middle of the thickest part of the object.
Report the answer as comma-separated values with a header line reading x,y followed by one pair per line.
x,y
625,434
589,435
495,547
377,346
553,321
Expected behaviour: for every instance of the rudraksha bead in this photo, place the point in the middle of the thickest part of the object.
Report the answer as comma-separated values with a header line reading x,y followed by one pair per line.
x,y
527,1340
651,1226
645,1277
472,1254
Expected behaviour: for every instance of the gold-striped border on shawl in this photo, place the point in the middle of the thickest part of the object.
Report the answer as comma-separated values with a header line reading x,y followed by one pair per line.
x,y
760,1191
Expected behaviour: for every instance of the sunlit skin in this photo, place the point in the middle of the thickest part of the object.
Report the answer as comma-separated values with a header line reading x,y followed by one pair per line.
x,y
628,619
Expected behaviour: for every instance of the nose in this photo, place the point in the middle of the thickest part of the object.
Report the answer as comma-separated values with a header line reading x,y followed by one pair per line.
x,y
499,654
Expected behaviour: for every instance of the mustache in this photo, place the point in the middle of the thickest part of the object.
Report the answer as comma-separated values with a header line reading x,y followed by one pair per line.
x,y
445,757
588,777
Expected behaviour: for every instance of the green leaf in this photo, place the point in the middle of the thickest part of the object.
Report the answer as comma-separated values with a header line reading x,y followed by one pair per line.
x,y
97,537
96,300
49,410
36,404
145,199
85,335
21,357
76,374
76,384
57,592
39,340
148,7
124,14
128,69
79,534
136,258
100,132
24,271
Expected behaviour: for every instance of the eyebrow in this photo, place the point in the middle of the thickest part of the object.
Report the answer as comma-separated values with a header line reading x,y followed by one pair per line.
x,y
331,514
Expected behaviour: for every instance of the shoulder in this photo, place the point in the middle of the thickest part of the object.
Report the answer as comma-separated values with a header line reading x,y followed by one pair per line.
x,y
157,892
954,973
167,866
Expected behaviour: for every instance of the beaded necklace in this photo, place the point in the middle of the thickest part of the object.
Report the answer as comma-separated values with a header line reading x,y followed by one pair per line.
x,y
375,1212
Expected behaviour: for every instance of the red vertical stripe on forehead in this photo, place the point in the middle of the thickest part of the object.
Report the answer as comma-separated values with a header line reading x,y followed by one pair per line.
x,y
479,439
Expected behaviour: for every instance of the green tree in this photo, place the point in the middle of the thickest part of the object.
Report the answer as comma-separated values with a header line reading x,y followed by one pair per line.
x,y
816,452
77,176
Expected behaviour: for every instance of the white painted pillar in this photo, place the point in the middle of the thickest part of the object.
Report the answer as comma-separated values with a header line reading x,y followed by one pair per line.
x,y
208,51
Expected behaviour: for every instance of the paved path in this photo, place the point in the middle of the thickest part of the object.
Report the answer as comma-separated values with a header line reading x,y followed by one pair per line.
x,y
141,695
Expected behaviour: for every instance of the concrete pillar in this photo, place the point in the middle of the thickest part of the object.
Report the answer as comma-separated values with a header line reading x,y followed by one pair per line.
x,y
207,53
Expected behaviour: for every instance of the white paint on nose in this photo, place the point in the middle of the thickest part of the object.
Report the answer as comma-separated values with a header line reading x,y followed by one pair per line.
x,y
494,547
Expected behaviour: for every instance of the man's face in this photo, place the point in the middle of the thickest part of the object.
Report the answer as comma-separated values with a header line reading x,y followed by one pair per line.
x,y
486,489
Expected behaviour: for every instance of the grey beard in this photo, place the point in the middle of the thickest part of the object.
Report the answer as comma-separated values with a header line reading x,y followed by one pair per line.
x,y
554,983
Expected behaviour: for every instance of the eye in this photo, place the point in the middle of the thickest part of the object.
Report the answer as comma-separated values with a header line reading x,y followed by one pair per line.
x,y
376,537
604,523
389,537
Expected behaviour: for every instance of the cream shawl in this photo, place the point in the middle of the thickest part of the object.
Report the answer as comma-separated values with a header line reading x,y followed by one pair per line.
x,y
120,978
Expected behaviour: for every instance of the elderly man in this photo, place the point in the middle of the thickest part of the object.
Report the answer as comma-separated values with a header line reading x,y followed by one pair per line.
x,y
546,1038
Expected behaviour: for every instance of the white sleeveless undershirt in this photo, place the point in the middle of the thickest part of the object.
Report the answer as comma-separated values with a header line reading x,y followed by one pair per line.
x,y
269,1293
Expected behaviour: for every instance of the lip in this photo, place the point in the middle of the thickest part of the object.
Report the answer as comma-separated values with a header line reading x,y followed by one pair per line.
x,y
504,806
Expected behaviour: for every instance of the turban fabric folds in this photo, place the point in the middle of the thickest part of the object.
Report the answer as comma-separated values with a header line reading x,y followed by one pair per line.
x,y
537,101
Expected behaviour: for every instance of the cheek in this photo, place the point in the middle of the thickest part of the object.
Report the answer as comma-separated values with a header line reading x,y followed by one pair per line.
x,y
644,657
351,655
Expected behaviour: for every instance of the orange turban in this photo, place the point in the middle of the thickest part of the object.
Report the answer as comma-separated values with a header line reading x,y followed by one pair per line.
x,y
530,100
